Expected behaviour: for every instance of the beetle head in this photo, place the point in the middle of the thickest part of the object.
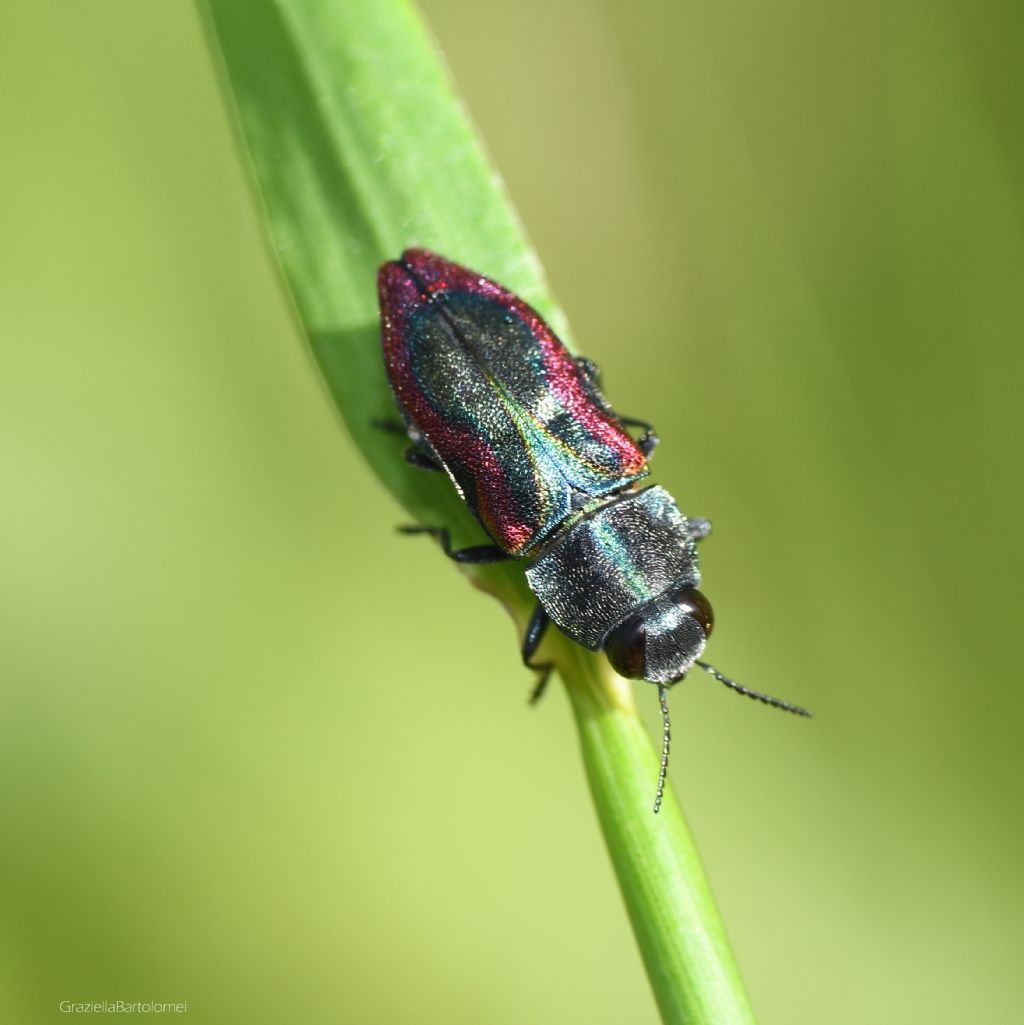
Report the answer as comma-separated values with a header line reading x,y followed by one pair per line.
x,y
662,640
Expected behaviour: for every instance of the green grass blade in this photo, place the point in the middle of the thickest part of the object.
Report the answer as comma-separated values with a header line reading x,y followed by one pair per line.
x,y
360,147
680,934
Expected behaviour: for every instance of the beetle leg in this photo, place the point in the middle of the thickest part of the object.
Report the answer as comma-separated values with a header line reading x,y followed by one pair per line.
x,y
416,454
419,459
698,527
648,441
475,555
589,369
391,426
531,642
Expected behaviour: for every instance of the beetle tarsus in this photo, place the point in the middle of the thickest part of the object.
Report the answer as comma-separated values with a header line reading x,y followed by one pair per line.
x,y
589,369
414,457
416,454
698,527
390,426
648,441
541,685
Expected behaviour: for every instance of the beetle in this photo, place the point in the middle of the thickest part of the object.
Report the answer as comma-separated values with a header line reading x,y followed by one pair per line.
x,y
490,396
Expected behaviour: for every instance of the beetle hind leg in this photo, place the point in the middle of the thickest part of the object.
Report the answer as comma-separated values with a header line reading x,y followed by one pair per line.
x,y
417,453
390,426
531,642
421,460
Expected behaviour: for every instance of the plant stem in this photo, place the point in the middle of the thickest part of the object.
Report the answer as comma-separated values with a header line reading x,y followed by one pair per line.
x,y
680,934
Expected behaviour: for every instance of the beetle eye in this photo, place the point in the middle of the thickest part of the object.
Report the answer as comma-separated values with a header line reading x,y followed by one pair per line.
x,y
692,601
626,649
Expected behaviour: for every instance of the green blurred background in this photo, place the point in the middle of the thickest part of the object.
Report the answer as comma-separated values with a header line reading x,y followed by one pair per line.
x,y
261,755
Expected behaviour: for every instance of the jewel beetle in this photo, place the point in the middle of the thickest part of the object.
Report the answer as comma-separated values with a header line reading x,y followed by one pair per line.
x,y
490,396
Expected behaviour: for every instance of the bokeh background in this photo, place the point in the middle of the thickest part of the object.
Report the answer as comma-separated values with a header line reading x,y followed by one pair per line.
x,y
259,755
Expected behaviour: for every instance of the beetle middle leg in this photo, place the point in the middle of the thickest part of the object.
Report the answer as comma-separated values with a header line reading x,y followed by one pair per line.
x,y
591,372
531,642
482,555
474,555
648,441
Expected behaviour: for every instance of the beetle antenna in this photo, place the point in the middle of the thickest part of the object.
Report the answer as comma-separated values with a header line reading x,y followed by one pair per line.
x,y
756,695
666,740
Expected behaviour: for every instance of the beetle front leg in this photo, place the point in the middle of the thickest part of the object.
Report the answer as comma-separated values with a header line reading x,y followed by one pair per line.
x,y
475,555
531,642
